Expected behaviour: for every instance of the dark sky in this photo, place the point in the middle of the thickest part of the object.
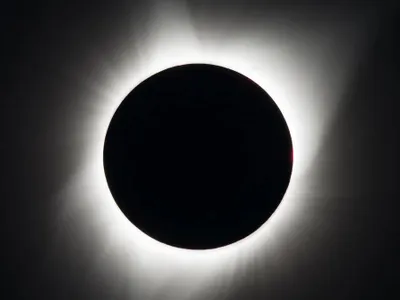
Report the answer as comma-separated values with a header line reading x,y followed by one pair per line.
x,y
347,248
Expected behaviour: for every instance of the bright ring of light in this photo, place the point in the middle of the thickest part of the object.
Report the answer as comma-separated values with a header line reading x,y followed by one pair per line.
x,y
276,65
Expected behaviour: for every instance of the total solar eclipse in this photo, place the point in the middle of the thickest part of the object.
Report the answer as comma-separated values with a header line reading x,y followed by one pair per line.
x,y
198,156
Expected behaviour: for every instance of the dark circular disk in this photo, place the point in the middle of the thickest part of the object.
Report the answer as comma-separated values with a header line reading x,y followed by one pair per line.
x,y
198,156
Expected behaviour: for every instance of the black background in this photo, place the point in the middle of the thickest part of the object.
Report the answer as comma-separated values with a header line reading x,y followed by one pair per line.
x,y
353,254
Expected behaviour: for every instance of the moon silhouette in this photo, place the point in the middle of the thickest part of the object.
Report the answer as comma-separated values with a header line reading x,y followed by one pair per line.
x,y
198,156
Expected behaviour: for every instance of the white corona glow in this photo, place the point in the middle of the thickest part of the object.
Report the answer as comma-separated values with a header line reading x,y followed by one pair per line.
x,y
304,77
